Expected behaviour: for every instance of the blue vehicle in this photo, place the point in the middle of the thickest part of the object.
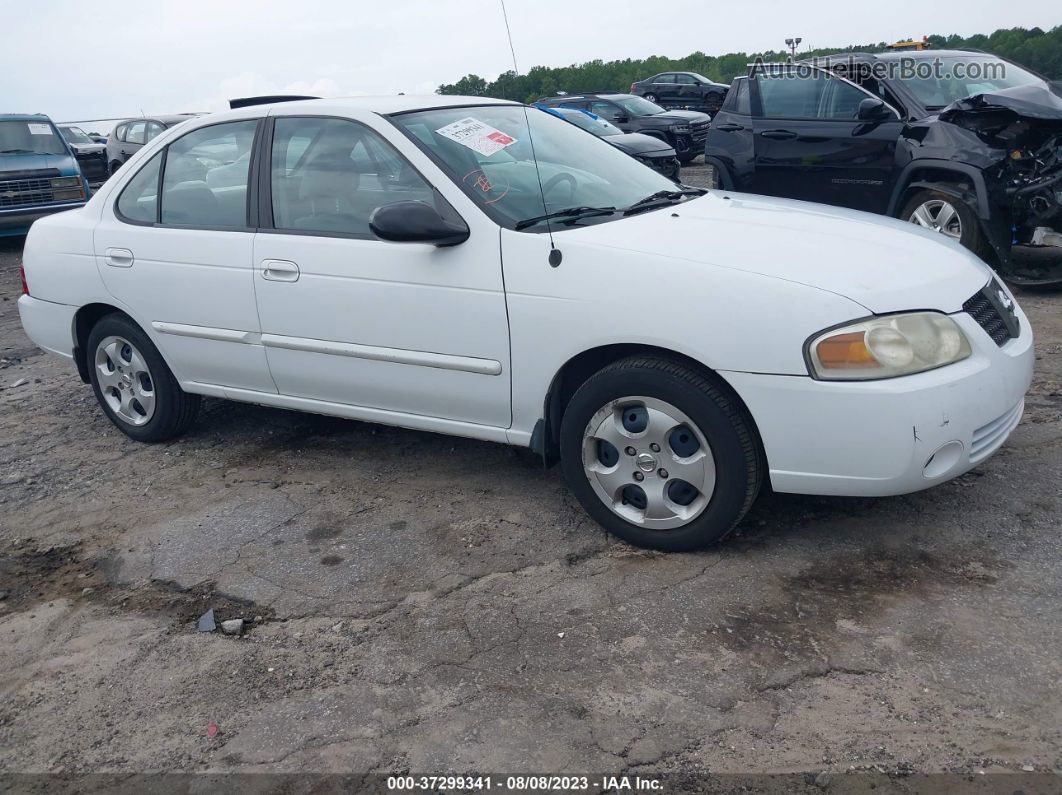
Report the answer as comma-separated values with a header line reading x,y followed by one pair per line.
x,y
39,174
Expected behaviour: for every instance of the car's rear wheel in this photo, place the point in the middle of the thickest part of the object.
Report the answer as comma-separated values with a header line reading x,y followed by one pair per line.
x,y
660,454
651,97
947,214
133,385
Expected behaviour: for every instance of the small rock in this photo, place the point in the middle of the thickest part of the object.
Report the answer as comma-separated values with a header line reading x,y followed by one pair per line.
x,y
234,626
822,780
1028,768
337,626
206,621
87,591
560,634
20,382
258,619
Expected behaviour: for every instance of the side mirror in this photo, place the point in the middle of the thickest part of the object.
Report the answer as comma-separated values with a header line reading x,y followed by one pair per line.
x,y
620,118
871,109
416,222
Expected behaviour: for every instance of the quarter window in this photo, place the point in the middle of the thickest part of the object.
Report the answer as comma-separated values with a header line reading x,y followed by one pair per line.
x,y
205,179
329,175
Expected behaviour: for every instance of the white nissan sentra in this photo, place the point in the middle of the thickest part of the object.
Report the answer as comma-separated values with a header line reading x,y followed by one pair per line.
x,y
484,269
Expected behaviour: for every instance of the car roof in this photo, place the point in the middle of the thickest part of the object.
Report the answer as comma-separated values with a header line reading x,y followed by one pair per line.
x,y
916,55
383,105
23,117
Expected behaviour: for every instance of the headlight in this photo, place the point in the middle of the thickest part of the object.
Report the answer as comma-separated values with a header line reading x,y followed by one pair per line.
x,y
886,347
681,129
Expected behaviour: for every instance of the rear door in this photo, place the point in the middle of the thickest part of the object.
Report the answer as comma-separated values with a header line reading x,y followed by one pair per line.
x,y
809,143
663,87
182,267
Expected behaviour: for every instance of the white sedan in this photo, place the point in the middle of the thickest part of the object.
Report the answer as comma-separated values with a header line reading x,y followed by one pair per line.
x,y
484,269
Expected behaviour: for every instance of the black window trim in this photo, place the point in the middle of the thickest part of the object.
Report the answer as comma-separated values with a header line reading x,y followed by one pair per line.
x,y
264,193
164,153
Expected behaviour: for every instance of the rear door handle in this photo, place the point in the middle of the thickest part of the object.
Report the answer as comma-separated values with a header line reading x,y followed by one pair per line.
x,y
118,257
779,135
280,270
729,127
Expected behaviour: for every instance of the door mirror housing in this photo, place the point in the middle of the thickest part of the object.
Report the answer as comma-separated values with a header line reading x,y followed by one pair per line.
x,y
620,118
871,109
416,222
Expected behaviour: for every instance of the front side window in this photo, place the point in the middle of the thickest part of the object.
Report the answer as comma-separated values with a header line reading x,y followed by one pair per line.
x,y
206,174
329,175
486,150
637,106
686,80
140,198
817,96
135,132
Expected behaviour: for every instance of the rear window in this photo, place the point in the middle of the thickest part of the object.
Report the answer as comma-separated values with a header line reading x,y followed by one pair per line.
x,y
29,137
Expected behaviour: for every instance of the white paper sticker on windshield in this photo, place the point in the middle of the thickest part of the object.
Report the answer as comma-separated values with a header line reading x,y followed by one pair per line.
x,y
477,136
39,129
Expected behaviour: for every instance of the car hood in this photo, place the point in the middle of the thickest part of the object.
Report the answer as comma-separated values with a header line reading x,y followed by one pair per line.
x,y
679,117
639,144
32,162
1031,102
881,263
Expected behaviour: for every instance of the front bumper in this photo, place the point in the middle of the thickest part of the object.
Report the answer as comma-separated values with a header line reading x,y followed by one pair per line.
x,y
895,436
17,220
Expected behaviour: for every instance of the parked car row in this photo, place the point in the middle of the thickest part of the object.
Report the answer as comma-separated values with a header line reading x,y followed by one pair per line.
x,y
977,158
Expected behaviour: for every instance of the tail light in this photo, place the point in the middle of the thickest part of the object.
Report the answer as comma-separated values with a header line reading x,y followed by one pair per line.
x,y
22,273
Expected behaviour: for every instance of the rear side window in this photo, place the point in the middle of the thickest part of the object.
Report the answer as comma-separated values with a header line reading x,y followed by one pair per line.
x,y
135,132
329,175
665,79
205,179
139,199
737,99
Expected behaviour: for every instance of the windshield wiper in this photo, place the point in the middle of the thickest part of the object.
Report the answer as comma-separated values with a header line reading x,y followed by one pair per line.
x,y
662,198
572,214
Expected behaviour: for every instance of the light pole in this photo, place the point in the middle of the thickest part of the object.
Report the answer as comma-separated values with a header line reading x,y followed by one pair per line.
x,y
792,44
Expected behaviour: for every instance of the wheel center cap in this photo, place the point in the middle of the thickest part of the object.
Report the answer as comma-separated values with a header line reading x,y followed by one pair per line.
x,y
127,379
645,462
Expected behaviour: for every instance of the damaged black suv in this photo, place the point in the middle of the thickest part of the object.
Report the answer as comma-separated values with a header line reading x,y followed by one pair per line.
x,y
963,143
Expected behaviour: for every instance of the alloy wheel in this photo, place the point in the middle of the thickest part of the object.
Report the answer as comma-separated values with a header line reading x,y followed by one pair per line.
x,y
125,380
940,216
648,462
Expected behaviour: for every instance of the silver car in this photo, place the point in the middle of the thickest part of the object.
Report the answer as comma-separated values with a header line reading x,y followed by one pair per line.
x,y
131,134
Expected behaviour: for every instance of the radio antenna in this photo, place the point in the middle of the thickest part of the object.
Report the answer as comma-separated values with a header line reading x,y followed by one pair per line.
x,y
527,121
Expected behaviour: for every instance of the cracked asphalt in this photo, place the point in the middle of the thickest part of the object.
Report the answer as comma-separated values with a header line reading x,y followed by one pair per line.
x,y
431,604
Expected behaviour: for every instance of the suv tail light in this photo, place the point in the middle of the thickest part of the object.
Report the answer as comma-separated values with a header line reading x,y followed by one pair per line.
x,y
22,273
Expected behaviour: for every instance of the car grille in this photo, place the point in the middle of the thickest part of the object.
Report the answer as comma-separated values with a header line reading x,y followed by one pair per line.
x,y
994,312
988,437
700,131
23,192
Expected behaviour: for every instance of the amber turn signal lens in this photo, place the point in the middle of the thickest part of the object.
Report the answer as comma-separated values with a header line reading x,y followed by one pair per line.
x,y
845,351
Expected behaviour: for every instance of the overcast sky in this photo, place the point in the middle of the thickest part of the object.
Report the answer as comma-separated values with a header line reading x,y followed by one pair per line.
x,y
87,59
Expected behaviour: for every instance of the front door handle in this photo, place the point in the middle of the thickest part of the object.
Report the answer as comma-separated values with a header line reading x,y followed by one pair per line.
x,y
118,257
728,127
779,135
280,270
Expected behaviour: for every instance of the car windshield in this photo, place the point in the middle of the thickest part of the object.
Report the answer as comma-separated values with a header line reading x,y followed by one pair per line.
x,y
594,124
636,106
75,135
487,151
966,76
29,137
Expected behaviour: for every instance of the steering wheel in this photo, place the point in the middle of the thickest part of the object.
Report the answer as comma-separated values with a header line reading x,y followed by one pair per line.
x,y
557,179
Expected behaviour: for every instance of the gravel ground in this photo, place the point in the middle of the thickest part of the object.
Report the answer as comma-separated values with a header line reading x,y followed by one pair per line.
x,y
429,604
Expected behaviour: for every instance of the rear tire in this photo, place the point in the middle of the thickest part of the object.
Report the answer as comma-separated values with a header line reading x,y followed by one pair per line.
x,y
664,398
651,97
134,386
942,212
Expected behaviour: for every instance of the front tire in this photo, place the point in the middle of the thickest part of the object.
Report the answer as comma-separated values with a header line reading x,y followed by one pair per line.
x,y
660,454
134,386
952,217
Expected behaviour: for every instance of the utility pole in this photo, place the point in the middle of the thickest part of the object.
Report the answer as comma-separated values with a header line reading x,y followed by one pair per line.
x,y
792,44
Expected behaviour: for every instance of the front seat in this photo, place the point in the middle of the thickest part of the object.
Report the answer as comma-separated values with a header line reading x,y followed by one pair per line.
x,y
327,192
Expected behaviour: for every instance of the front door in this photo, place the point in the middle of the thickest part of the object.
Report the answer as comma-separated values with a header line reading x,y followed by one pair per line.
x,y
406,328
184,266
809,143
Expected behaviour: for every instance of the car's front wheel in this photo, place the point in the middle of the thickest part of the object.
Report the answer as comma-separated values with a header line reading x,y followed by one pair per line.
x,y
660,454
950,216
133,385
